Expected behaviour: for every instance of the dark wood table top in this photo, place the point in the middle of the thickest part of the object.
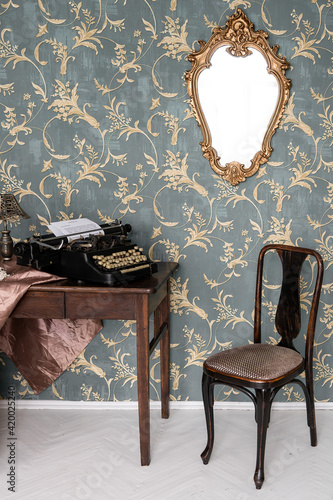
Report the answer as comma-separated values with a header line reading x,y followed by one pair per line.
x,y
146,285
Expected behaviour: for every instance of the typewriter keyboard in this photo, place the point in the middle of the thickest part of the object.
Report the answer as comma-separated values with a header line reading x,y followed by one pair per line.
x,y
123,260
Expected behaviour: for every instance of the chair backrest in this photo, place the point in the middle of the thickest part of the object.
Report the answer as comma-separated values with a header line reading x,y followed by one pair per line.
x,y
288,312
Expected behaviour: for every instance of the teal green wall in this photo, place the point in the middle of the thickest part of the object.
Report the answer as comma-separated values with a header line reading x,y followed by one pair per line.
x,y
95,122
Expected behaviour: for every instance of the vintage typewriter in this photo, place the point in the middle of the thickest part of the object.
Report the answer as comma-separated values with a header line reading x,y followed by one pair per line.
x,y
108,258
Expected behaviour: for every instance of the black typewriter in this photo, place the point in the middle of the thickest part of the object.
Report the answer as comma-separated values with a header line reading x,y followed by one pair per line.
x,y
109,258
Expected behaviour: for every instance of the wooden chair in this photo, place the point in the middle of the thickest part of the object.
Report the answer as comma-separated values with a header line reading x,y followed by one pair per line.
x,y
266,368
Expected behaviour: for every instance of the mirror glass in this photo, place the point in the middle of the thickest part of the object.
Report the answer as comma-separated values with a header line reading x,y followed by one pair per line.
x,y
238,98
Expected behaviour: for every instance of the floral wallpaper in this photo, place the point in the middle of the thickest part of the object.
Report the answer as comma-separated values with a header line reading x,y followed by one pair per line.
x,y
95,121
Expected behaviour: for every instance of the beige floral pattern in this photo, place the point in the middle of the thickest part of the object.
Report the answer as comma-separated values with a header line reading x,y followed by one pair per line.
x,y
96,122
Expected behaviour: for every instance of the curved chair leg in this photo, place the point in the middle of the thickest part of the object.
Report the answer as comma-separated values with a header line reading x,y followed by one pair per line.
x,y
263,408
310,407
208,400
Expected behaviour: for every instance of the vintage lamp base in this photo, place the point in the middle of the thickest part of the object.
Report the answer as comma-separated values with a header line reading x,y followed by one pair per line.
x,y
6,245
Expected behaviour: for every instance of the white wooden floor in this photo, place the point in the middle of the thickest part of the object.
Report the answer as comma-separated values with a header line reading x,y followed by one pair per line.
x,y
94,455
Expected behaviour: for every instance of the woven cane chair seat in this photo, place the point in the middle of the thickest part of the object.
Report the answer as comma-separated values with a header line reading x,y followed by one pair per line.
x,y
255,362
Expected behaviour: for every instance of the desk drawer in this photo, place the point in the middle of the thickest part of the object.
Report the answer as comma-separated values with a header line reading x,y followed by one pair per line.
x,y
100,306
40,305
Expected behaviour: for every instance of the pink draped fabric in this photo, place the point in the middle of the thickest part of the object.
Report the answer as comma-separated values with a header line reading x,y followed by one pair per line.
x,y
42,349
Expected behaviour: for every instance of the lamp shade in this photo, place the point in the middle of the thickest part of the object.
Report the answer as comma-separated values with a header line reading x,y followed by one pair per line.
x,y
10,210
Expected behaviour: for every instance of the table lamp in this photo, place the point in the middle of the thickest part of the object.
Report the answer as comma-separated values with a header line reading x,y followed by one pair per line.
x,y
11,211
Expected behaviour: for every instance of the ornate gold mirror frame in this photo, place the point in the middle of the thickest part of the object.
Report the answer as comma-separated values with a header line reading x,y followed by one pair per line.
x,y
238,36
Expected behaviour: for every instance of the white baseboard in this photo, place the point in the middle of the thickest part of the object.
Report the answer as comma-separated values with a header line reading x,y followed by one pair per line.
x,y
39,404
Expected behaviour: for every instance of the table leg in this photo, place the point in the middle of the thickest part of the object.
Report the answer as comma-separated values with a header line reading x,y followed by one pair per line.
x,y
165,356
142,346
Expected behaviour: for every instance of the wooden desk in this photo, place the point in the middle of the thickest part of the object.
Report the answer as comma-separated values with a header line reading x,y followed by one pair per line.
x,y
136,301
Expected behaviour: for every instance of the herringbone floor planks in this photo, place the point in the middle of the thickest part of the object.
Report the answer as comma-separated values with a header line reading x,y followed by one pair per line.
x,y
94,455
